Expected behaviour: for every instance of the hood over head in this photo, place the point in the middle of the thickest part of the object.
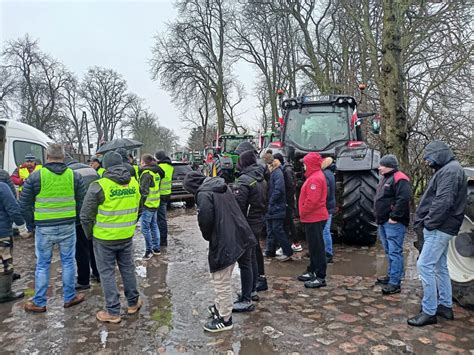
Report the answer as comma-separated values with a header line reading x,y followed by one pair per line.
x,y
111,159
243,147
438,154
123,153
313,163
118,174
214,184
193,181
246,159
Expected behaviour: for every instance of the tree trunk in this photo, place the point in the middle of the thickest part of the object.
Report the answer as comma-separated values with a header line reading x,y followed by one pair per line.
x,y
391,94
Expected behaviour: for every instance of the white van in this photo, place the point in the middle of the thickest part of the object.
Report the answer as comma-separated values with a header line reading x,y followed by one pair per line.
x,y
18,139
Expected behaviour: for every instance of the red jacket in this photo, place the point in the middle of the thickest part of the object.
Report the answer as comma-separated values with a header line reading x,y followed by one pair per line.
x,y
17,180
312,201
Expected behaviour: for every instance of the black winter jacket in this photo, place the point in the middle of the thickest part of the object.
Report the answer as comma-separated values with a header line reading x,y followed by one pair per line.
x,y
95,197
290,185
146,181
276,193
32,187
9,211
5,177
442,205
392,199
250,191
221,222
331,196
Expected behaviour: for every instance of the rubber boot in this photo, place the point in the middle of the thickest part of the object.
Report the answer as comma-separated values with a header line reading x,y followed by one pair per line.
x,y
6,293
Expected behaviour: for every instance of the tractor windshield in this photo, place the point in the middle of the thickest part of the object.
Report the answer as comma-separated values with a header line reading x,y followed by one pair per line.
x,y
315,127
230,144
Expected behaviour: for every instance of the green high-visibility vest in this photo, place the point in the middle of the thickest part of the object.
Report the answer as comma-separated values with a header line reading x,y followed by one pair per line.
x,y
165,188
117,215
100,171
56,199
135,167
153,198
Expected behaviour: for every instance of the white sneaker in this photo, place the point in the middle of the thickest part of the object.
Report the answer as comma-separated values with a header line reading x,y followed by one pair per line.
x,y
279,252
296,247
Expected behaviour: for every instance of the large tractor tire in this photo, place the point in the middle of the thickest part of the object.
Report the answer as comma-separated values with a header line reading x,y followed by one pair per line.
x,y
461,267
358,222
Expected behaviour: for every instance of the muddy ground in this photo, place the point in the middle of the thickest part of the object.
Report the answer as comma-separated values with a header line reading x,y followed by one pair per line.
x,y
350,315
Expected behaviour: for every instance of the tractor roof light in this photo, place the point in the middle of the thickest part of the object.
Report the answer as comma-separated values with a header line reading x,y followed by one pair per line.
x,y
355,144
340,101
276,144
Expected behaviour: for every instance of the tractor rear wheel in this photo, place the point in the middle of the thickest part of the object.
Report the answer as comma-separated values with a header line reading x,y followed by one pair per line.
x,y
358,220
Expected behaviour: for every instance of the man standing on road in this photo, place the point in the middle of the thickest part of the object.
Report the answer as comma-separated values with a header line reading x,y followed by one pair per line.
x,y
164,163
10,213
313,215
52,198
95,164
109,214
229,235
85,258
392,215
151,175
327,167
440,214
23,172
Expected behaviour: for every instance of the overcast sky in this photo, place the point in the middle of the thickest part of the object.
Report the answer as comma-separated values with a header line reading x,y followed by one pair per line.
x,y
113,34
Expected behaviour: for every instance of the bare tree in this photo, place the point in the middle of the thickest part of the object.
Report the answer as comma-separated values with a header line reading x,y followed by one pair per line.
x,y
105,93
192,54
40,79
8,88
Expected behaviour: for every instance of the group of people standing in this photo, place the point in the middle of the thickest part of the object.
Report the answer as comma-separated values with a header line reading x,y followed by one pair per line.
x,y
91,213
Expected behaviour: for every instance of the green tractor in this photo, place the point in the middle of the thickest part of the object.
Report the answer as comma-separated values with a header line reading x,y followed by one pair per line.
x,y
225,160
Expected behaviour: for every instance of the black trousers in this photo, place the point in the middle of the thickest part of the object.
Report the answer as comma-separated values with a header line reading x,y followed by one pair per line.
x,y
290,225
85,258
258,230
317,254
246,274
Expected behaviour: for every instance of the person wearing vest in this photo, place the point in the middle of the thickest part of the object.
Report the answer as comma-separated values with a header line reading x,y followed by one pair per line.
x,y
24,170
392,215
95,163
85,259
150,178
164,163
109,216
51,200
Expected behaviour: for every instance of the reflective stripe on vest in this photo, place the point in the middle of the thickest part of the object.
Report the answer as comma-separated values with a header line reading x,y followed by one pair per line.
x,y
100,171
117,215
153,198
56,198
165,188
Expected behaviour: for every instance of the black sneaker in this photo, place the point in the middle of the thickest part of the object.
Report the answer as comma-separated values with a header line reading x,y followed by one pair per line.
x,y
213,312
307,276
262,284
148,255
82,287
315,283
156,251
391,289
382,280
329,259
445,312
218,324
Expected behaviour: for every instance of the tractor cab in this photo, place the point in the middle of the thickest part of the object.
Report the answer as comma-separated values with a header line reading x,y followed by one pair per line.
x,y
228,143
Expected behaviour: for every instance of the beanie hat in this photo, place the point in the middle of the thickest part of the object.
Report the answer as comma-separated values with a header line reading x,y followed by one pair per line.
x,y
111,159
160,155
246,159
243,147
192,181
279,157
30,157
389,161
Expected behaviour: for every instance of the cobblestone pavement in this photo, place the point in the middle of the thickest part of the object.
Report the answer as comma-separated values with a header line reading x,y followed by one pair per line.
x,y
348,316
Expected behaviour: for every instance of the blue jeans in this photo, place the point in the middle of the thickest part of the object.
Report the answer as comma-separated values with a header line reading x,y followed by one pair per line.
x,y
150,230
433,269
46,237
327,236
162,224
276,235
392,236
